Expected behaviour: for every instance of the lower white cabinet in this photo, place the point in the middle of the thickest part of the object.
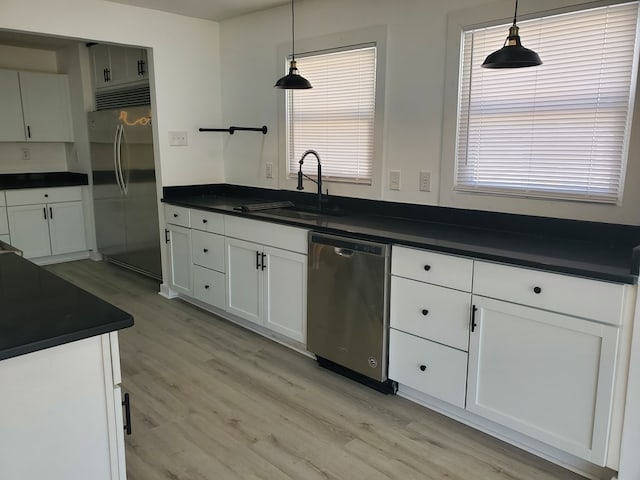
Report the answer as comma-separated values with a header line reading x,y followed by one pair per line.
x,y
546,375
267,286
209,286
428,367
178,240
61,413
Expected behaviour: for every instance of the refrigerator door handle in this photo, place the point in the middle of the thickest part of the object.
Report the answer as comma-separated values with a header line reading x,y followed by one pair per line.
x,y
122,181
115,159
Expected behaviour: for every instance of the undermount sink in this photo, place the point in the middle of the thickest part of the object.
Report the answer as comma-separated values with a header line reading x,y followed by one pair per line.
x,y
302,213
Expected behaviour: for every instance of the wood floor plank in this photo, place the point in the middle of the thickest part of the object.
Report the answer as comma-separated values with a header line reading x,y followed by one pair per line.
x,y
212,400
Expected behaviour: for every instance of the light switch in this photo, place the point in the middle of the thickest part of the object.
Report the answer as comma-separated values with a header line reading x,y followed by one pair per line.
x,y
394,180
178,139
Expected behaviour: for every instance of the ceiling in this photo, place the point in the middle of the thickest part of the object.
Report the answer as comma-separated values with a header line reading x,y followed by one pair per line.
x,y
216,10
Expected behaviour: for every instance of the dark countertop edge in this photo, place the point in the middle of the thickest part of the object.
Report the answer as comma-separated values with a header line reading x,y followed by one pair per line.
x,y
629,278
66,338
48,180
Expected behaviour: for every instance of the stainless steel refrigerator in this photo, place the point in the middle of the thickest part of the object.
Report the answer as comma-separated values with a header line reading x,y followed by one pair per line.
x,y
124,188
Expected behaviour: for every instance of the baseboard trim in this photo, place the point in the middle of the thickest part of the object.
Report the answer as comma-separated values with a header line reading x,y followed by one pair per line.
x,y
166,292
66,257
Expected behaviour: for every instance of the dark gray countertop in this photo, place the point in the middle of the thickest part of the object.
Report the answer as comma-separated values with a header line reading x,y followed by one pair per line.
x,y
9,181
40,310
609,261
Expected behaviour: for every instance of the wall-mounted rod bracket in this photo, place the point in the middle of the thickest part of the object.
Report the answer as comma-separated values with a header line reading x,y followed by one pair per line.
x,y
232,130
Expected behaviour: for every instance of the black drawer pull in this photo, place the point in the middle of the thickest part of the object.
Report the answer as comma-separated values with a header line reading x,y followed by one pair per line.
x,y
205,250
537,290
425,312
46,195
204,220
427,268
423,368
127,414
175,215
206,286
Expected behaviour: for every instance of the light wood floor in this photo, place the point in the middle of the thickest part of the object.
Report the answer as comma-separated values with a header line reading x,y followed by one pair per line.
x,y
211,400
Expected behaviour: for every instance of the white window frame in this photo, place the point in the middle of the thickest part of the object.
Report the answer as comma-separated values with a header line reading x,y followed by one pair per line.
x,y
494,14
337,42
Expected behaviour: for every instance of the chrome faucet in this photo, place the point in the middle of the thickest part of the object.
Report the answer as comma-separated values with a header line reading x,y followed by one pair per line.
x,y
319,175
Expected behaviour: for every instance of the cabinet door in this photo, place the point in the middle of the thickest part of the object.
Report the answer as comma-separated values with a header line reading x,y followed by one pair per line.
x,y
179,258
285,293
136,60
101,65
244,279
11,119
546,375
66,227
29,229
46,107
4,224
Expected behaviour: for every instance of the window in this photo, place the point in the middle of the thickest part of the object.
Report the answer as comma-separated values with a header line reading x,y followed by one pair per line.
x,y
559,130
335,117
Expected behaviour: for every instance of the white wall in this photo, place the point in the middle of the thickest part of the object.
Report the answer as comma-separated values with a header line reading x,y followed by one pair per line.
x,y
185,64
417,42
18,58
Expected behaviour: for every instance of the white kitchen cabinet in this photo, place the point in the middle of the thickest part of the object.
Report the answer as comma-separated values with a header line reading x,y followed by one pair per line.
x,y
209,286
244,279
178,241
44,229
11,118
115,66
46,107
546,375
35,107
83,439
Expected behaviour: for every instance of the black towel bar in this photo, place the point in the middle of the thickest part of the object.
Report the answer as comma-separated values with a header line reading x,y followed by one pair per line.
x,y
232,130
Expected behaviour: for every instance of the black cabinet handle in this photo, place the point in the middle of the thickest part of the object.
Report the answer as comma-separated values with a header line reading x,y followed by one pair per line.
x,y
141,67
257,260
427,268
205,250
166,236
204,220
46,195
263,264
425,312
29,131
423,368
104,75
175,215
50,212
537,290
207,287
127,414
474,309
44,212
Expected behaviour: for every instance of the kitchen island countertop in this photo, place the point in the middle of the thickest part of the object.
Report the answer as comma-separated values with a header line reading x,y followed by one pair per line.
x,y
40,310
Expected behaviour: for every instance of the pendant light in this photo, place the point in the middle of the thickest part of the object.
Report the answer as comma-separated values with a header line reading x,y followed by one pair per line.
x,y
293,81
512,54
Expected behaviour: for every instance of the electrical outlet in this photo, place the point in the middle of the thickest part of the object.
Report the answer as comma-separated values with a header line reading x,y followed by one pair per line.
x,y
268,169
425,181
178,139
394,180
26,154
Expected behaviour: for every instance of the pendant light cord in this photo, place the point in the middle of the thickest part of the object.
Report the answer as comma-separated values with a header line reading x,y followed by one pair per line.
x,y
293,33
515,14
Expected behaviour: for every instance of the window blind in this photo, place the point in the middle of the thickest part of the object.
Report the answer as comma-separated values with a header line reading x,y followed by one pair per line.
x,y
559,130
336,116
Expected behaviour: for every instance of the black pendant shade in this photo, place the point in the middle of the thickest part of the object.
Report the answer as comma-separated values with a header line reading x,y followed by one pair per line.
x,y
512,54
293,80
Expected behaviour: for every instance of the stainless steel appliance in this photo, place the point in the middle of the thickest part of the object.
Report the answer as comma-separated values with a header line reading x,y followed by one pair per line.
x,y
347,307
124,188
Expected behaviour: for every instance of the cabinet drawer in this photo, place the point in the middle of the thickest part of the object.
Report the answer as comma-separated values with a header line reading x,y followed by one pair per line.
x,y
32,196
428,367
207,250
207,221
176,215
581,297
432,312
267,233
437,268
209,286
3,202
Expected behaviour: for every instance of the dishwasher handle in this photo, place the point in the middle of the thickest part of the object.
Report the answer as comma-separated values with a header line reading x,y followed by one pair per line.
x,y
347,247
343,252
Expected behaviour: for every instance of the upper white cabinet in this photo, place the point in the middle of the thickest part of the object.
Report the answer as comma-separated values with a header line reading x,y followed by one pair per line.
x,y
116,66
11,119
35,107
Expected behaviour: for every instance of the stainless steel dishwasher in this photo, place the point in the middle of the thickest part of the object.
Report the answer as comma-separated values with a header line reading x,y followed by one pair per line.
x,y
347,307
